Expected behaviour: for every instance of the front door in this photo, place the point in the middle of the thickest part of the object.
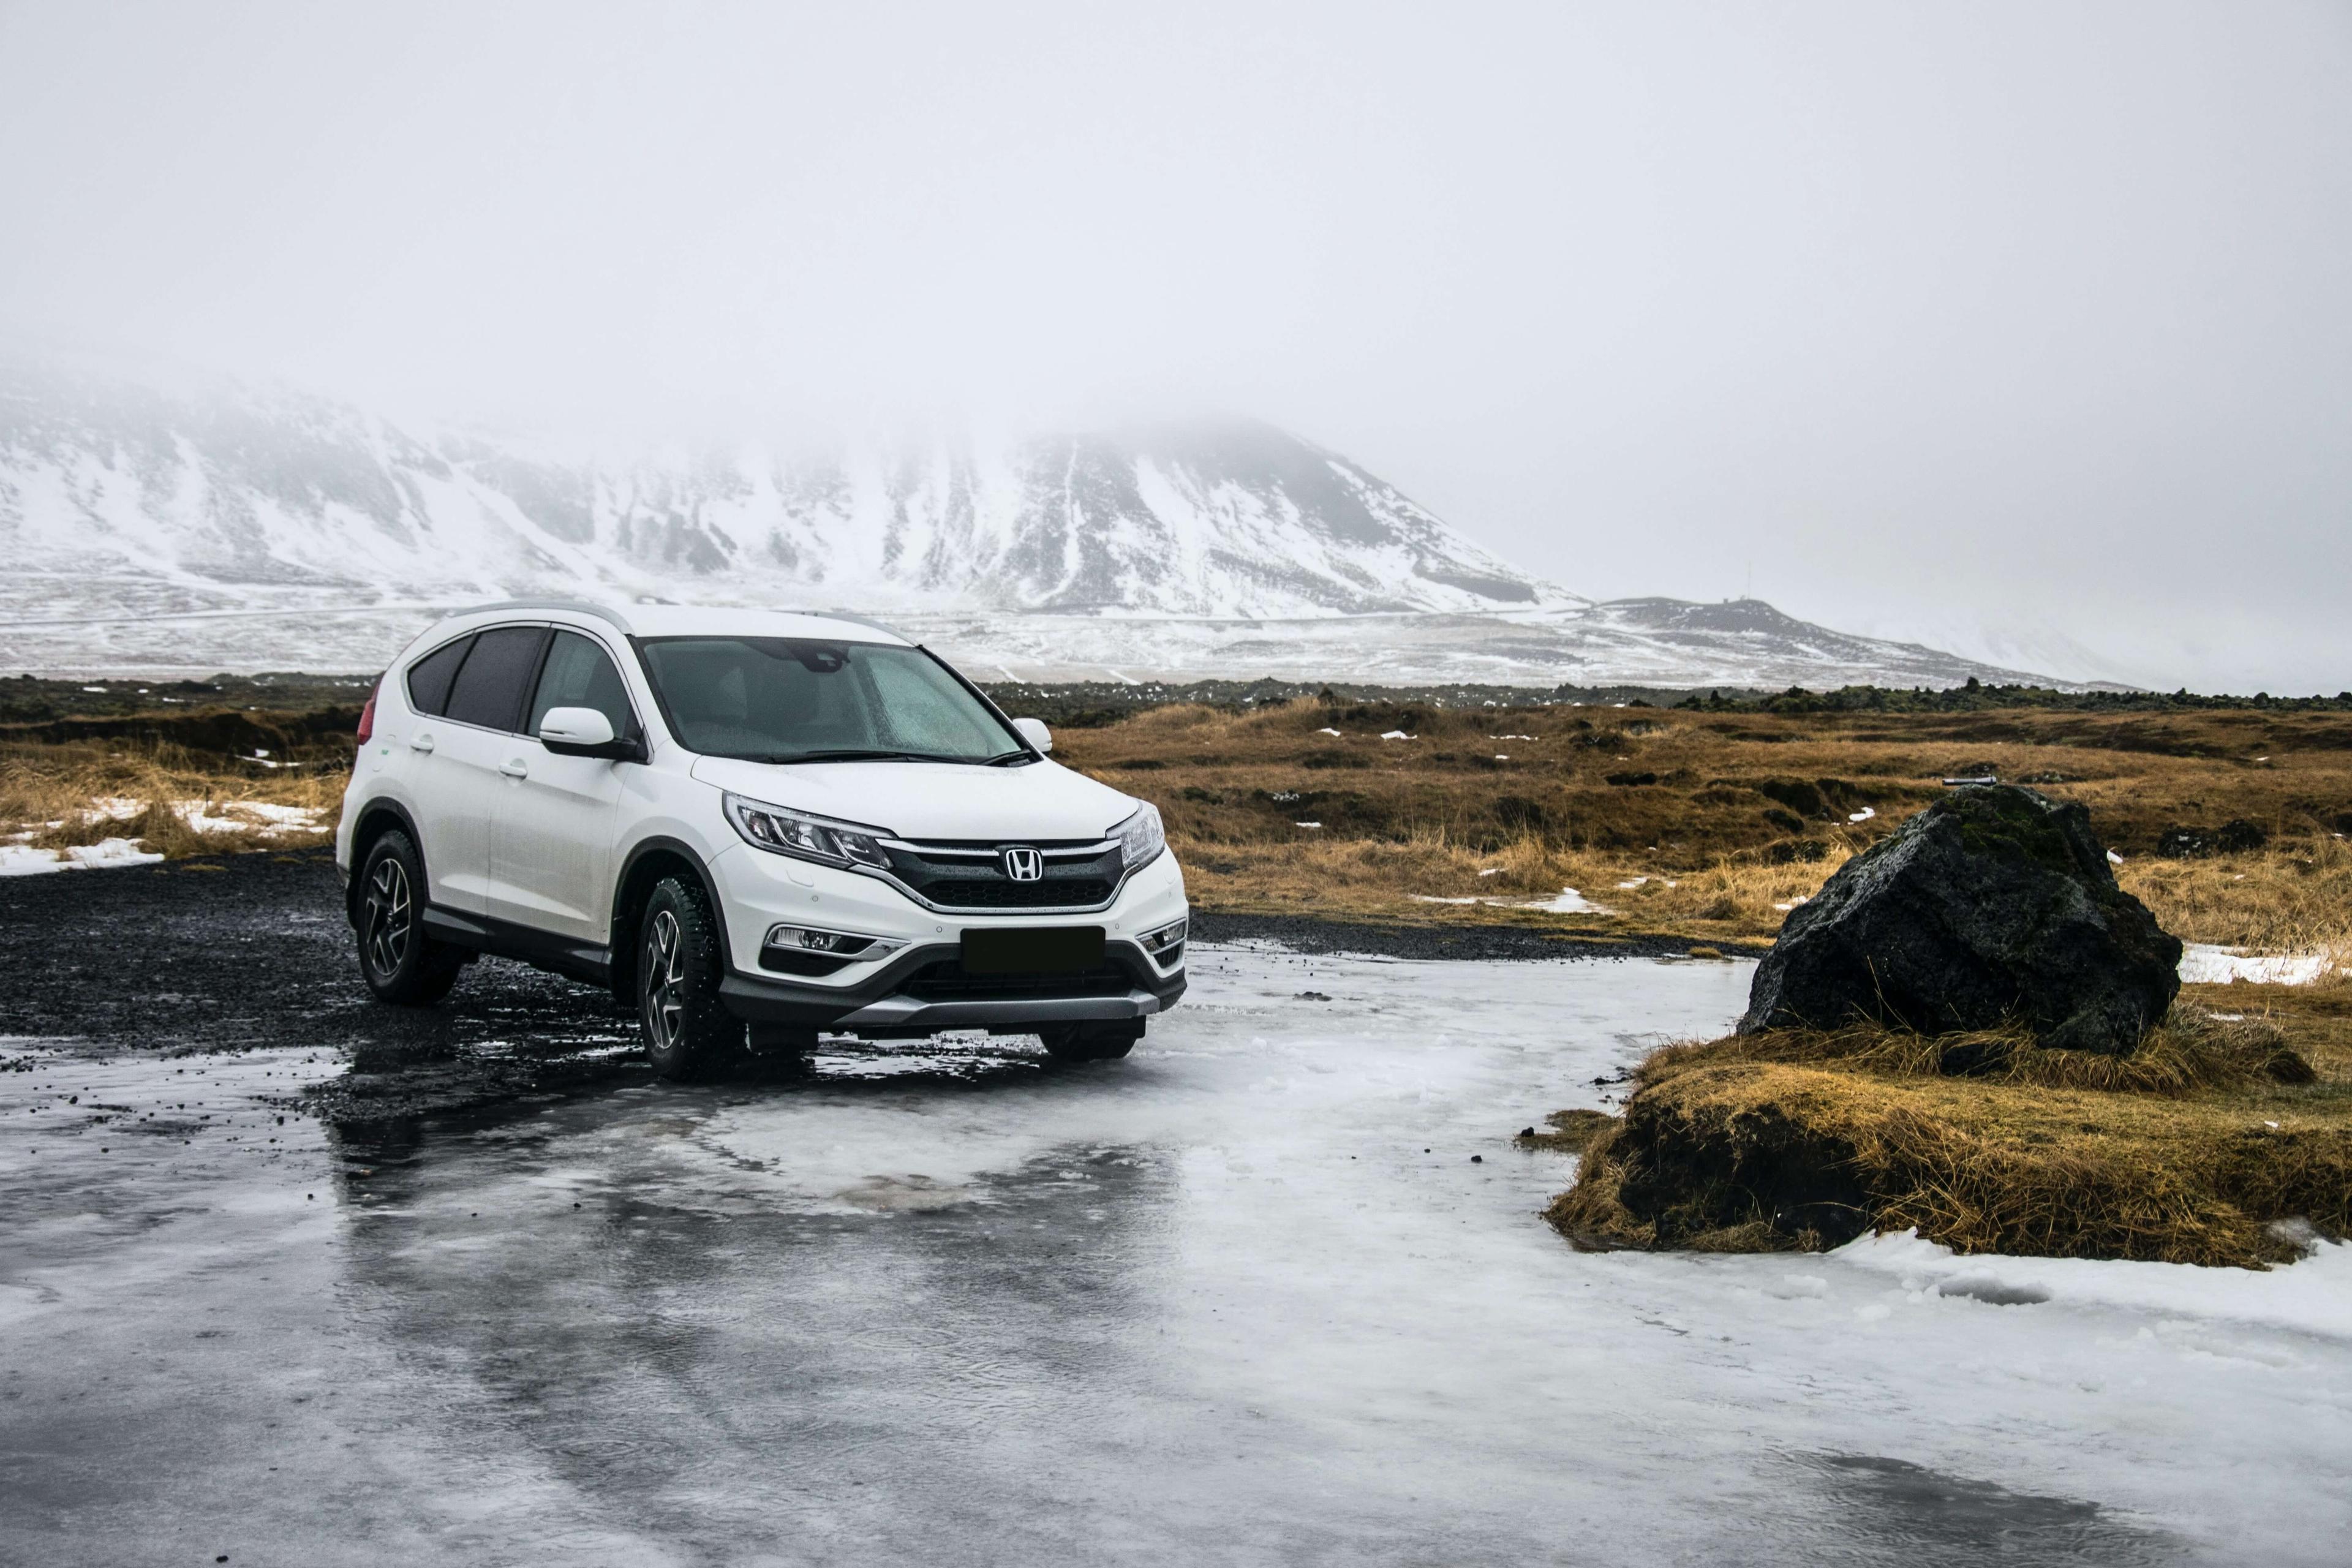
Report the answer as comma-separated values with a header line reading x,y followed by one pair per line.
x,y
552,849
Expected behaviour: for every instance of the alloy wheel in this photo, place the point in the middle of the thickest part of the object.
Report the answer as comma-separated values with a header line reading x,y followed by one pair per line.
x,y
391,918
665,972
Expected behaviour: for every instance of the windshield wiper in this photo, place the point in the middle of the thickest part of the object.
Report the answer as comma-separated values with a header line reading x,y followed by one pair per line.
x,y
853,754
1006,760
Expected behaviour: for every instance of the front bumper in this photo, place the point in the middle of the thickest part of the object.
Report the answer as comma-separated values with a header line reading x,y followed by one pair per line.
x,y
891,998
879,1005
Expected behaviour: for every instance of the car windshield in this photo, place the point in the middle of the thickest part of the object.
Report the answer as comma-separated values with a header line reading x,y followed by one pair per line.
x,y
783,699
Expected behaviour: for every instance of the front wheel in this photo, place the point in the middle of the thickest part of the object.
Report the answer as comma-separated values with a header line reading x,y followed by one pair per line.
x,y
689,1031
1091,1041
401,963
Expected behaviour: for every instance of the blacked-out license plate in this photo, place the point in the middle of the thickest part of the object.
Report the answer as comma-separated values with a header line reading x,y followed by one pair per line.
x,y
1038,950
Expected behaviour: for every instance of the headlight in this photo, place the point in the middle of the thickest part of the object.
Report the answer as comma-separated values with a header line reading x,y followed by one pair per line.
x,y
804,838
1141,837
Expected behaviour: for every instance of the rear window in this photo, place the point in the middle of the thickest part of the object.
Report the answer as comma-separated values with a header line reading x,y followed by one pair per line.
x,y
489,686
429,677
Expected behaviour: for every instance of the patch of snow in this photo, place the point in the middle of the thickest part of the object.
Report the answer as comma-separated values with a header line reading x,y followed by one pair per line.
x,y
1306,825
1567,901
2114,859
1627,887
1432,899
1791,904
1510,737
1398,735
1864,815
1491,871
24,861
2312,1296
1333,734
1501,757
2202,964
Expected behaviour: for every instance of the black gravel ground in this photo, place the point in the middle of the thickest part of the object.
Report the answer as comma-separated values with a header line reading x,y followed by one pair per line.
x,y
250,951
1305,934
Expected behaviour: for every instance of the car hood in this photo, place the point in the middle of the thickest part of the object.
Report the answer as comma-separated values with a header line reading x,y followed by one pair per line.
x,y
932,800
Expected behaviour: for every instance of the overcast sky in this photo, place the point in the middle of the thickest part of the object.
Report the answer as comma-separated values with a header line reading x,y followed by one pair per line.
x,y
1965,322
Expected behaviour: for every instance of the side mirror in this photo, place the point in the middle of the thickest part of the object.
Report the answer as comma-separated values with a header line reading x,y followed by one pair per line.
x,y
1034,730
586,732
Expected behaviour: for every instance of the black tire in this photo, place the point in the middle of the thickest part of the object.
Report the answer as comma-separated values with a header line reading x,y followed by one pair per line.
x,y
688,1032
399,962
1091,1041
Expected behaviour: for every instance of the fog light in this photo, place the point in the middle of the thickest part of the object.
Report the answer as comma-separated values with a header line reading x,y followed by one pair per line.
x,y
1168,941
834,943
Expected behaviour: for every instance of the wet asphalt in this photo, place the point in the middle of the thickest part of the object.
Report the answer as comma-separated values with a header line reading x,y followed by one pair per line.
x,y
287,1277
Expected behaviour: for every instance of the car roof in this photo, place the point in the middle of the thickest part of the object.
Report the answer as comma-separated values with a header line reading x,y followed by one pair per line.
x,y
680,620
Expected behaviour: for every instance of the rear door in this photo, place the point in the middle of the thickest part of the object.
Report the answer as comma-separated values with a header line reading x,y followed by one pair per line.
x,y
432,780
459,779
552,849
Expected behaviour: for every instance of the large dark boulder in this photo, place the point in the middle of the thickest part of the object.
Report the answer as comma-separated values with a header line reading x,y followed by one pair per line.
x,y
1994,904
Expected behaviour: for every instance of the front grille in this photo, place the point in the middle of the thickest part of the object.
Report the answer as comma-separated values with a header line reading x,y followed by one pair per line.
x,y
968,881
1077,892
947,981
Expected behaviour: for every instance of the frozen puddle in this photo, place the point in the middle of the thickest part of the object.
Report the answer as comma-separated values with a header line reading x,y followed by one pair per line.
x,y
1244,1297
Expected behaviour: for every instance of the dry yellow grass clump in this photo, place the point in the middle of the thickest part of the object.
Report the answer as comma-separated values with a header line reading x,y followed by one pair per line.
x,y
172,801
2190,1150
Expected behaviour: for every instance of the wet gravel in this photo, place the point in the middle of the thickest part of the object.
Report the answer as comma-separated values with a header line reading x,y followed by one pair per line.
x,y
1302,933
251,951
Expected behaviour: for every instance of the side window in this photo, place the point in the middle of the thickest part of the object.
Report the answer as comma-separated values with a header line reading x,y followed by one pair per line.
x,y
489,686
429,677
578,674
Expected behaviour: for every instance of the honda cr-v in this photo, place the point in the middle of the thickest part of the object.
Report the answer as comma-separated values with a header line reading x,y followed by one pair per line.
x,y
753,827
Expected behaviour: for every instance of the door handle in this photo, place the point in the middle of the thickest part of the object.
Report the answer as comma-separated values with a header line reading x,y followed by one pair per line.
x,y
515,768
420,742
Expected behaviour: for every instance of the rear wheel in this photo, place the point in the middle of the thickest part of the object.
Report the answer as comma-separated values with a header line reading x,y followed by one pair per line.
x,y
400,962
689,1031
1091,1041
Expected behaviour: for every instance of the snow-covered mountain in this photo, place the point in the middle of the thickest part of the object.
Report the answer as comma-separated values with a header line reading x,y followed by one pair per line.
x,y
218,527
1232,518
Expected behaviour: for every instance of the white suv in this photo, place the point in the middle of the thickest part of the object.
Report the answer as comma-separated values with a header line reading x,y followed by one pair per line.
x,y
737,819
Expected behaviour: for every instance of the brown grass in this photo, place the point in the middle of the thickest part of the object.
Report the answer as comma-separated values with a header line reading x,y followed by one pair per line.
x,y
1728,829
2189,1152
59,794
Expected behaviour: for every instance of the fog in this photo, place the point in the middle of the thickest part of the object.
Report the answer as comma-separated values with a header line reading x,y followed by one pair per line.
x,y
2020,328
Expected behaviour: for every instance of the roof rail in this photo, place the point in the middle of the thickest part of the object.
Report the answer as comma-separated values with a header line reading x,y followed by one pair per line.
x,y
606,613
577,606
859,620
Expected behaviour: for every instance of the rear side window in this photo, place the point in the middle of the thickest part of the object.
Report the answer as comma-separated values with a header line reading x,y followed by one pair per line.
x,y
489,686
578,674
429,677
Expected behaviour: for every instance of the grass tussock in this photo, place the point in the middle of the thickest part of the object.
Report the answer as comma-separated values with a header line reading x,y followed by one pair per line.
x,y
168,799
2190,1152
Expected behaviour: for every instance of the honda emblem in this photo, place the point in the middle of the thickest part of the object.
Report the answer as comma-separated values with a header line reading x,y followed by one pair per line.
x,y
1025,865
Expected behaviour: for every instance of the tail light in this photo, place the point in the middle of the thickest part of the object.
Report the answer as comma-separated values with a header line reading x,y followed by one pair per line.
x,y
367,720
